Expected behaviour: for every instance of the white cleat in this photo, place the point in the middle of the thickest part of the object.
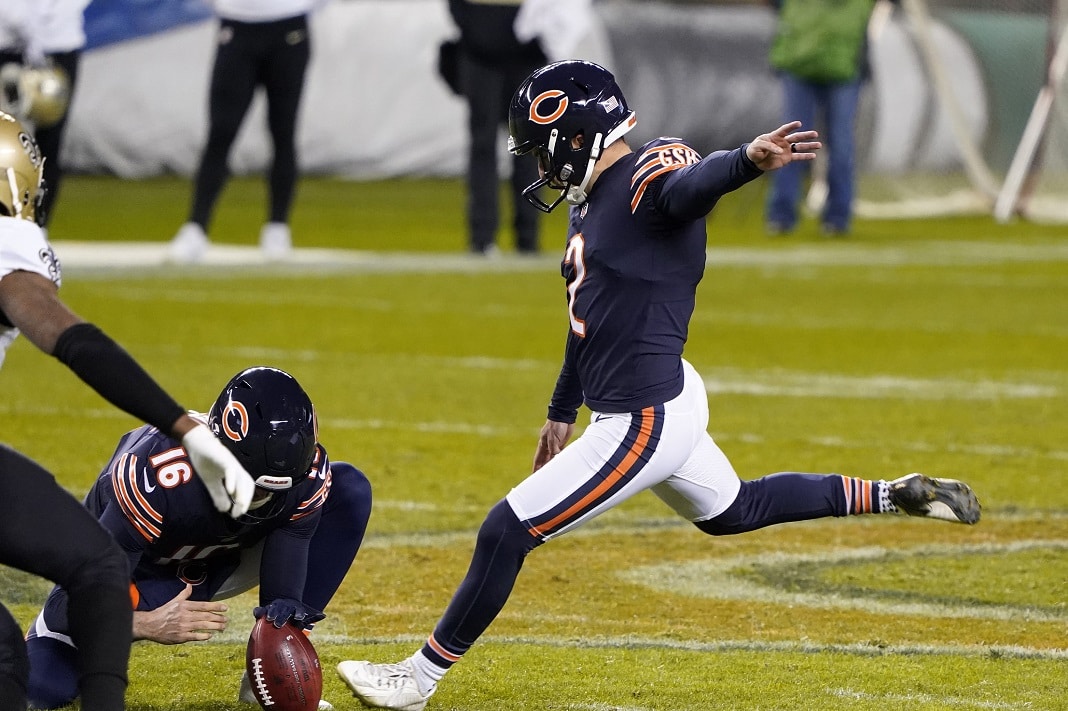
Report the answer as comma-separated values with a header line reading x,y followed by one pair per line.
x,y
384,686
245,695
944,499
276,241
189,245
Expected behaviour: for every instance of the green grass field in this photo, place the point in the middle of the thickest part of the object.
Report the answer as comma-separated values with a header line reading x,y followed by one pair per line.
x,y
938,346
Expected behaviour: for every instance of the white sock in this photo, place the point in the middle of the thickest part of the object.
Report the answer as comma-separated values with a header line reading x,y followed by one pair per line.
x,y
885,506
426,673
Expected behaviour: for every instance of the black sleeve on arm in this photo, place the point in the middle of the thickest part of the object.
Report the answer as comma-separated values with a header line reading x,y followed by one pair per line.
x,y
105,367
284,561
567,397
690,193
562,407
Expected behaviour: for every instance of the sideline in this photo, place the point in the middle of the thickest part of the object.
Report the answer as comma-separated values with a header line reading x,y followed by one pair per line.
x,y
111,257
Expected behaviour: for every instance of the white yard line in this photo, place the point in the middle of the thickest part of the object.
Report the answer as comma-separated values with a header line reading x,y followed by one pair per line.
x,y
613,524
487,430
112,256
607,707
129,257
781,383
945,701
727,645
743,381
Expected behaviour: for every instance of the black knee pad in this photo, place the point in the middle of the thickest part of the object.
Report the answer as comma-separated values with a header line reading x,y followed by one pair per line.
x,y
503,529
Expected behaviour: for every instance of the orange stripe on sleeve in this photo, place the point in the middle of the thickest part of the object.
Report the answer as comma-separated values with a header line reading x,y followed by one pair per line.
x,y
122,495
645,184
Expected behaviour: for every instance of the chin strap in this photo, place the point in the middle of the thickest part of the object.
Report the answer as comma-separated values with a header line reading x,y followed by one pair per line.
x,y
13,186
576,194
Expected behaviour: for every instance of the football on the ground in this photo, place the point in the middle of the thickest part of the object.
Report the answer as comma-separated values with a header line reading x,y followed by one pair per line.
x,y
283,668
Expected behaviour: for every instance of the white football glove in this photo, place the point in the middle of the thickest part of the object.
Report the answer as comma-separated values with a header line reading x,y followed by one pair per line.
x,y
230,486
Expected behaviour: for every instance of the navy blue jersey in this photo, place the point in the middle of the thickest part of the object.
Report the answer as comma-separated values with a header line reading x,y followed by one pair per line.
x,y
154,504
635,255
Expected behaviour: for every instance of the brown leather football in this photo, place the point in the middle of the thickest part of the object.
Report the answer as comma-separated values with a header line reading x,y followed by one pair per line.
x,y
283,668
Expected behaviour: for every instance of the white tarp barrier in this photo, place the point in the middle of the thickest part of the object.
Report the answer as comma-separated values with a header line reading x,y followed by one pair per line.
x,y
375,107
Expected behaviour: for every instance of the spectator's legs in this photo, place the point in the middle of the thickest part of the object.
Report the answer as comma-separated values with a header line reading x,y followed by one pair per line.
x,y
233,83
283,79
483,86
841,102
526,218
799,104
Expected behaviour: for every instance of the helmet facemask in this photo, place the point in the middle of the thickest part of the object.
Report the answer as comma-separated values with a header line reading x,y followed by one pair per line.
x,y
265,505
556,164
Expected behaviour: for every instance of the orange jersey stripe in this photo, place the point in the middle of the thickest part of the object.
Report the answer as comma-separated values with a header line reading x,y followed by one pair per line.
x,y
645,184
151,513
315,501
119,483
653,160
658,150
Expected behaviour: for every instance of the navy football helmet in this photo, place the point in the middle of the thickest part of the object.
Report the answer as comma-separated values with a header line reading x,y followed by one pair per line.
x,y
554,105
268,422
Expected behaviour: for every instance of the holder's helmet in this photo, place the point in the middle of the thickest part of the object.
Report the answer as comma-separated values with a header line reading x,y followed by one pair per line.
x,y
268,422
554,105
21,171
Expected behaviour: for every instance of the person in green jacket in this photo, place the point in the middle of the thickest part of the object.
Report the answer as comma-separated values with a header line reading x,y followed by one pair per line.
x,y
820,54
